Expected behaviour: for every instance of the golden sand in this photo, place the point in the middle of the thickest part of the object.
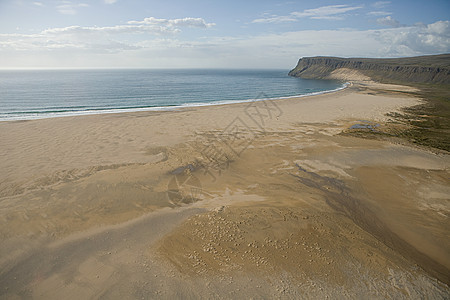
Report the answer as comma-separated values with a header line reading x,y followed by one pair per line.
x,y
263,199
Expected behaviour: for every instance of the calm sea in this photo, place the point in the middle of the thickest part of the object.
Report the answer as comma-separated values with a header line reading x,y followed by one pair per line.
x,y
50,93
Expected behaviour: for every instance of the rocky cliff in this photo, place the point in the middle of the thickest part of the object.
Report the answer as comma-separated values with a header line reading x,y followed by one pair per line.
x,y
423,69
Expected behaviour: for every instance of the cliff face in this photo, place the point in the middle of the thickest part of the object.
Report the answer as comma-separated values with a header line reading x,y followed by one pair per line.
x,y
425,69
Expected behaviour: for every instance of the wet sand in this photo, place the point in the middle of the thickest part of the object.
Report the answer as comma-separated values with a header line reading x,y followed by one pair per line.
x,y
264,200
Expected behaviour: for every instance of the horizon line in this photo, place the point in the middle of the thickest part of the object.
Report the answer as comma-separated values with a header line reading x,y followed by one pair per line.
x,y
129,68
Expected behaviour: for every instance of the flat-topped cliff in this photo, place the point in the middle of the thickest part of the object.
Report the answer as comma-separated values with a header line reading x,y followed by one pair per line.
x,y
423,69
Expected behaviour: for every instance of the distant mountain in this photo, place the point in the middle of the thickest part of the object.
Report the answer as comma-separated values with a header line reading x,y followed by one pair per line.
x,y
419,69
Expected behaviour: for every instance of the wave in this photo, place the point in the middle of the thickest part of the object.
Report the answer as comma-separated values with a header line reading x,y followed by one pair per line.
x,y
56,112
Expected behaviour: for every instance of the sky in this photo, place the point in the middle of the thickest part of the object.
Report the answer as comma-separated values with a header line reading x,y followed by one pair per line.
x,y
214,34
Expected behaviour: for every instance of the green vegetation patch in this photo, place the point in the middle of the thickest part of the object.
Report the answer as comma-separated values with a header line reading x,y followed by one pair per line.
x,y
426,125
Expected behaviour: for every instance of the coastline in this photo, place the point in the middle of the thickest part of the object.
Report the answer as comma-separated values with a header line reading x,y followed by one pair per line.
x,y
293,200
160,108
200,119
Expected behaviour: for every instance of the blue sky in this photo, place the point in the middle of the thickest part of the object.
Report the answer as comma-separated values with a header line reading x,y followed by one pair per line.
x,y
214,34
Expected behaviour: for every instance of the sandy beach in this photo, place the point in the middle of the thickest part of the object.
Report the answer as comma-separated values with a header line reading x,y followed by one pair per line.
x,y
266,199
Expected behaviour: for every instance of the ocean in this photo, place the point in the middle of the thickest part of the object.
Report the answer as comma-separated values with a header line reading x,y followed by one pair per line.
x,y
36,94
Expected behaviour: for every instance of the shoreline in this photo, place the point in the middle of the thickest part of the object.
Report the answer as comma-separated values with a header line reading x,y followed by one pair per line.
x,y
164,108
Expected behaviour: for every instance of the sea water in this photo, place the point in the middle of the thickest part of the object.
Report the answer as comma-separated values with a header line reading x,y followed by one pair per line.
x,y
35,94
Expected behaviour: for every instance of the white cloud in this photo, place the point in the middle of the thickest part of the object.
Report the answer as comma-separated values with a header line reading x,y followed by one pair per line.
x,y
404,41
78,31
69,8
146,45
110,1
330,12
275,19
186,22
416,40
379,13
38,3
381,4
97,38
326,11
283,50
389,21
440,28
